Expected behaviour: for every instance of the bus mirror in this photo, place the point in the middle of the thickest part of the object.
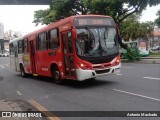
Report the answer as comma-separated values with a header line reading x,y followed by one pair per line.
x,y
74,33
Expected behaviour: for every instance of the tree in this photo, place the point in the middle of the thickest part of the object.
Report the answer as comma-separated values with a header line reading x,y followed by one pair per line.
x,y
118,9
60,9
157,21
132,29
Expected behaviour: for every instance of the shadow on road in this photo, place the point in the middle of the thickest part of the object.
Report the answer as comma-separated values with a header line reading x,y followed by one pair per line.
x,y
87,83
72,83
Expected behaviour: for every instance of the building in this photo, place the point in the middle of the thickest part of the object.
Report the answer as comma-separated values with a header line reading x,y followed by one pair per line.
x,y
156,37
1,37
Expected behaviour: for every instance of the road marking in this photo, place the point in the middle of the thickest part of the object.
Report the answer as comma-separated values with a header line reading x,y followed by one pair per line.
x,y
19,93
126,67
2,66
137,95
43,110
152,78
118,74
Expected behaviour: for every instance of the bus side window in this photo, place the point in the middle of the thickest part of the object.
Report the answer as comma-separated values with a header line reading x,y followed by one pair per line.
x,y
25,45
70,42
11,48
20,47
53,39
42,41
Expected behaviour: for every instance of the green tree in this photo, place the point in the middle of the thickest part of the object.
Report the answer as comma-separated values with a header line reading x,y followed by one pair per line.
x,y
118,9
132,29
60,9
157,21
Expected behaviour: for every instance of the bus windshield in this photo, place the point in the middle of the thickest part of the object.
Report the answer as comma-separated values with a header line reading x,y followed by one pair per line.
x,y
97,41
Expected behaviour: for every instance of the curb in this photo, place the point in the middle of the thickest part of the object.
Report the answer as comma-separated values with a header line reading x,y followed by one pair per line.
x,y
145,61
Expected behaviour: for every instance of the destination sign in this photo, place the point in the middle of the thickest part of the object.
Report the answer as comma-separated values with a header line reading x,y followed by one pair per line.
x,y
93,21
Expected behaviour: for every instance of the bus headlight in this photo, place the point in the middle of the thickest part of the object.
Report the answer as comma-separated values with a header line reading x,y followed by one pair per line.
x,y
82,65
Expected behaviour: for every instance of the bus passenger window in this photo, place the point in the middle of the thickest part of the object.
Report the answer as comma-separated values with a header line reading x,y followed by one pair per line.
x,y
70,42
20,47
42,41
11,49
25,45
53,39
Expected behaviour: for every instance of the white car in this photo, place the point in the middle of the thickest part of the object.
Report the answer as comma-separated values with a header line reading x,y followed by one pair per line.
x,y
143,52
4,54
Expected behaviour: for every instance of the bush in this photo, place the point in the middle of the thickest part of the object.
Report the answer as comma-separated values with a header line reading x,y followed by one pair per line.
x,y
132,55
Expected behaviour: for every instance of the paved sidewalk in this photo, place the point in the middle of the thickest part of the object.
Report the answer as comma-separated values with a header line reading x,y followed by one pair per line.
x,y
9,106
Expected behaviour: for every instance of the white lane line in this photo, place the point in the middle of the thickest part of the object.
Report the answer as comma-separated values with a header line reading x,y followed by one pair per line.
x,y
19,93
126,67
137,95
118,74
2,66
152,78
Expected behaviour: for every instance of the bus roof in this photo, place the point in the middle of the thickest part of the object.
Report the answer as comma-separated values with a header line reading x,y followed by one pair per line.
x,y
16,39
62,22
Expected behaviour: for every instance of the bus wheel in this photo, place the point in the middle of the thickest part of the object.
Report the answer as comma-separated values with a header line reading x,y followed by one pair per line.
x,y
23,74
56,76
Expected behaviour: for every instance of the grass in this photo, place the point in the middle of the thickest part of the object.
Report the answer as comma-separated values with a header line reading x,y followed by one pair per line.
x,y
154,54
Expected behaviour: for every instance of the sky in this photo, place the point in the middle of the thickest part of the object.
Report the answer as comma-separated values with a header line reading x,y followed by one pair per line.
x,y
19,18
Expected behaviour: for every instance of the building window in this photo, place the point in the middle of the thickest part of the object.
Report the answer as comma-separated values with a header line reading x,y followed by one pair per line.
x,y
53,39
42,41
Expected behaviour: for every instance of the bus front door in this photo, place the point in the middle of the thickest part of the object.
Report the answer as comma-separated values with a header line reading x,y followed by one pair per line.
x,y
70,72
16,57
32,56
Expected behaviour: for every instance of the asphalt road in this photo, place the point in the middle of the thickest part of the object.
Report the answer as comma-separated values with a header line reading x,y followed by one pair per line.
x,y
137,88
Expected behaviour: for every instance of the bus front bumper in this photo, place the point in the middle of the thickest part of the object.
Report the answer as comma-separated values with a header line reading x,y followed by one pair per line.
x,y
88,74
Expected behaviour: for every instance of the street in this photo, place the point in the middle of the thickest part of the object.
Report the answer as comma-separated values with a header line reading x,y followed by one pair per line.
x,y
136,88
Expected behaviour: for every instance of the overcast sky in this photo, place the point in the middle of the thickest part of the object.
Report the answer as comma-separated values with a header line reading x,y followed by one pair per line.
x,y
19,18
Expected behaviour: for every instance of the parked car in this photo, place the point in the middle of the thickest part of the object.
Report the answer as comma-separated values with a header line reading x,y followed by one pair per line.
x,y
156,48
1,55
143,52
4,54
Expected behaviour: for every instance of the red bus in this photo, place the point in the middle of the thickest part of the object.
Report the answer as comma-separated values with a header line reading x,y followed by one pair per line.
x,y
78,48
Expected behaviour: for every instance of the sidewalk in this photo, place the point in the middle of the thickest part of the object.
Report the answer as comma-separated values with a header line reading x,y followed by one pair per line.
x,y
10,107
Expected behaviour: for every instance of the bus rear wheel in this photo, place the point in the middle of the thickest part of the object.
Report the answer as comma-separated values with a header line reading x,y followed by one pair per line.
x,y
56,76
23,74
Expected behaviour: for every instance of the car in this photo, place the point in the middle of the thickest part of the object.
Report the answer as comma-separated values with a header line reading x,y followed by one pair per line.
x,y
6,54
156,48
143,52
0,54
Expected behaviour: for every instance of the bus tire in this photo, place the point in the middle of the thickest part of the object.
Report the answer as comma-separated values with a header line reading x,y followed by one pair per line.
x,y
23,74
56,75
